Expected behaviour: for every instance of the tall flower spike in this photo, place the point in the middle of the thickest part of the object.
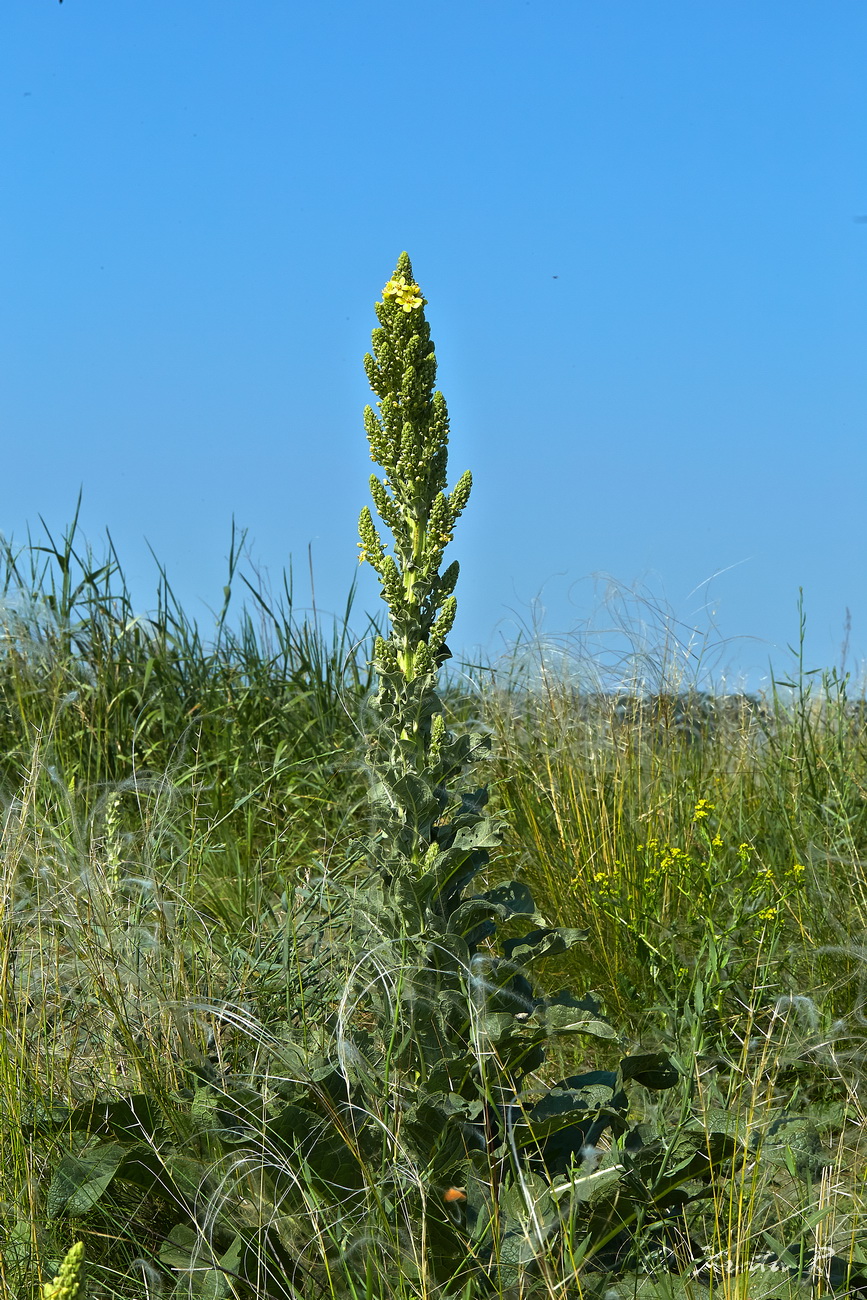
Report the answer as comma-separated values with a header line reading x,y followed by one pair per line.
x,y
69,1282
408,436
409,439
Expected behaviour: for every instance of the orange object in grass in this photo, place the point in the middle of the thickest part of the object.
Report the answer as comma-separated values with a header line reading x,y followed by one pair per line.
x,y
453,1194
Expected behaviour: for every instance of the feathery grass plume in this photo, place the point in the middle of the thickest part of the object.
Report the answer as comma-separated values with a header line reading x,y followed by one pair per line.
x,y
69,1282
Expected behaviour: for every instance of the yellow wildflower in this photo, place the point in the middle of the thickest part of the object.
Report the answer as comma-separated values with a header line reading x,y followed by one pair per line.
x,y
702,809
407,296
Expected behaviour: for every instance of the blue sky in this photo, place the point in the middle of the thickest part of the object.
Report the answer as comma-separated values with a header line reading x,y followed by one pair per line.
x,y
636,226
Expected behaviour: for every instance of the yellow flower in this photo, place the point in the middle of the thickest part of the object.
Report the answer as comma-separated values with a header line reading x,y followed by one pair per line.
x,y
407,296
766,914
702,809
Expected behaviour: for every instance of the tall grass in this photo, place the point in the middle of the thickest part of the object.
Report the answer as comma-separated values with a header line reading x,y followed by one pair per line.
x,y
253,729
170,802
164,795
691,828
715,849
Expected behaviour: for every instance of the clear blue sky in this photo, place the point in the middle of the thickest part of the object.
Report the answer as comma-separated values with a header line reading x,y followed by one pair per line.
x,y
636,226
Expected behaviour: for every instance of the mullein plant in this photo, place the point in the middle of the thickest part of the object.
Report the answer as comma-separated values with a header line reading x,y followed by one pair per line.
x,y
431,834
415,761
462,1022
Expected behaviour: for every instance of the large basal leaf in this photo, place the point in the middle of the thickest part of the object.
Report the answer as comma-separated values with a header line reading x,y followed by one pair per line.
x,y
654,1070
18,1250
265,1265
661,1166
327,1148
80,1180
718,1119
126,1118
177,1178
437,1140
574,1098
520,1050
201,1273
793,1140
41,1118
184,1249
257,1258
527,1215
493,1026
556,1130
477,918
564,1014
513,898
543,942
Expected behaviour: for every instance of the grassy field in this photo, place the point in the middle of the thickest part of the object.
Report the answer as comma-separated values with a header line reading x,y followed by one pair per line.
x,y
173,811
328,972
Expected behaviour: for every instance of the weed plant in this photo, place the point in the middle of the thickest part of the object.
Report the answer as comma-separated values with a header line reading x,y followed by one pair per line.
x,y
284,941
683,828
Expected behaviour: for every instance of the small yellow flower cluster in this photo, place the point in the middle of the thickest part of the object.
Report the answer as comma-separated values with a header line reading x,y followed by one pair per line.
x,y
407,296
766,914
667,855
702,809
761,882
604,885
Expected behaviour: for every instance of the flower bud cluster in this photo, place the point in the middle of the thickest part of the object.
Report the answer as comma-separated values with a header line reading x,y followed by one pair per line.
x,y
69,1282
409,440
